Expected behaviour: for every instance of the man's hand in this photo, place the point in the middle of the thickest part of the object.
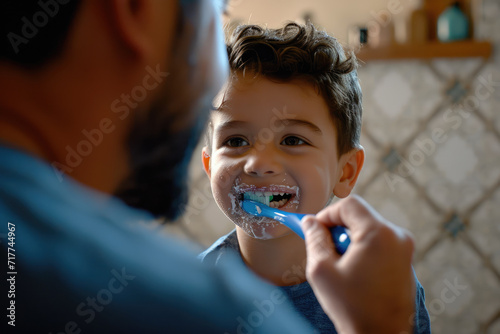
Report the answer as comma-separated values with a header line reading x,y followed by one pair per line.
x,y
371,288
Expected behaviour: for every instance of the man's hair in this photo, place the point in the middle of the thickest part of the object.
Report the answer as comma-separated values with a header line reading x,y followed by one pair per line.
x,y
305,53
34,32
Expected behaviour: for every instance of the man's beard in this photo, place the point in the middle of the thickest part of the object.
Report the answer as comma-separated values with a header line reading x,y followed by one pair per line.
x,y
160,153
163,138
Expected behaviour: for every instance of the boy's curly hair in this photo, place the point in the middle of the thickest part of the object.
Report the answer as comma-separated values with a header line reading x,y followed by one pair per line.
x,y
303,52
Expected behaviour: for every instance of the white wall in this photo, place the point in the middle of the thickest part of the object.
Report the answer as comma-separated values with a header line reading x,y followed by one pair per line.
x,y
333,16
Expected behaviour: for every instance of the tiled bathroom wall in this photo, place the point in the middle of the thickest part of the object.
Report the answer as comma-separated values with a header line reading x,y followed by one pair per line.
x,y
432,135
431,131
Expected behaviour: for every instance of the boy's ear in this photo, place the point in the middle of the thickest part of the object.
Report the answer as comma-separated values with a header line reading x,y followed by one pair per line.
x,y
353,162
205,158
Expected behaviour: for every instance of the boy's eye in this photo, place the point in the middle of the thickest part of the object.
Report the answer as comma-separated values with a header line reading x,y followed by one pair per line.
x,y
236,142
292,141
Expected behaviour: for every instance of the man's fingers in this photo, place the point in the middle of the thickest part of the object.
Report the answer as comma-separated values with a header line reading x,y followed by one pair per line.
x,y
319,244
363,221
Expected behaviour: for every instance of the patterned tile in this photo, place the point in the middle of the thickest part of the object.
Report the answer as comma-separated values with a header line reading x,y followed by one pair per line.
x,y
484,229
456,69
397,96
372,157
485,93
454,225
456,168
392,159
458,122
453,198
456,91
392,94
454,290
487,148
369,75
454,175
425,85
456,282
455,159
403,206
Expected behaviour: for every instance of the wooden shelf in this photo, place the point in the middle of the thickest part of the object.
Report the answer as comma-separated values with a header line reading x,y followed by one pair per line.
x,y
461,49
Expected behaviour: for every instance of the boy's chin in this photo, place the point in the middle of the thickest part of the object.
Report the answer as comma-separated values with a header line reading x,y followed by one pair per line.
x,y
265,231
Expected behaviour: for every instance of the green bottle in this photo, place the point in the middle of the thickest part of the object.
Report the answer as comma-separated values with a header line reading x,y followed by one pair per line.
x,y
452,24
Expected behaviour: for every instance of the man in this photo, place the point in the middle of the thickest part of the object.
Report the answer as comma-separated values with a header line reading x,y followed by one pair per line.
x,y
102,98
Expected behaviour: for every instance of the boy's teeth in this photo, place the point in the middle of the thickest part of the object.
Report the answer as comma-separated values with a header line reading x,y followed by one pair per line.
x,y
267,198
277,204
258,197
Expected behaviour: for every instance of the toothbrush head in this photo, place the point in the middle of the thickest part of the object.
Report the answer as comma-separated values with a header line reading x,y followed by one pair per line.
x,y
289,219
252,208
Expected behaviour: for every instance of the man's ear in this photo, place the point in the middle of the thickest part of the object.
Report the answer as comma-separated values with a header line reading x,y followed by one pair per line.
x,y
144,25
205,158
353,162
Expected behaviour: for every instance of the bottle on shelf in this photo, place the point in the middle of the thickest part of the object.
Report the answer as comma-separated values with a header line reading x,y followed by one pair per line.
x,y
419,27
452,24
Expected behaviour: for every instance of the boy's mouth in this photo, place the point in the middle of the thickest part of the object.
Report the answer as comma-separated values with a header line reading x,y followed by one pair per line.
x,y
271,199
274,198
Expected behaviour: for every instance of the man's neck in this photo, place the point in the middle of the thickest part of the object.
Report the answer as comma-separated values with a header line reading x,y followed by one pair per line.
x,y
280,261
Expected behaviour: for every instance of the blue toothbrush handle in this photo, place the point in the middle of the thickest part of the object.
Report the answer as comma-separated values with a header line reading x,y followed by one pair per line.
x,y
340,236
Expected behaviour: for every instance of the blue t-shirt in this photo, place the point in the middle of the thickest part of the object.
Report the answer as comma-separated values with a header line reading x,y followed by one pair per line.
x,y
302,295
83,262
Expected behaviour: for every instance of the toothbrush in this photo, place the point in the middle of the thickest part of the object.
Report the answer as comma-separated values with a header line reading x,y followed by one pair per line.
x,y
292,220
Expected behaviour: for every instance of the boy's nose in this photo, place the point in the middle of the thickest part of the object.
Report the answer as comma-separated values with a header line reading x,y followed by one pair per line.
x,y
262,162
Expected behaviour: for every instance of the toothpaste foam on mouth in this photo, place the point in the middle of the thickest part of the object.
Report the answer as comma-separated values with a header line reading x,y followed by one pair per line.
x,y
273,195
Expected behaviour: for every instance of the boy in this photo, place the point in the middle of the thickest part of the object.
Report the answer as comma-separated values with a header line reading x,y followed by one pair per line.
x,y
286,133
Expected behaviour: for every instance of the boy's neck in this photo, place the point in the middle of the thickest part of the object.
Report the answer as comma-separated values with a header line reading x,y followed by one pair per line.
x,y
280,261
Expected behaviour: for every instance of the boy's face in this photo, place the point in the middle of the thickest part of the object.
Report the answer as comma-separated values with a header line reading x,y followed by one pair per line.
x,y
273,139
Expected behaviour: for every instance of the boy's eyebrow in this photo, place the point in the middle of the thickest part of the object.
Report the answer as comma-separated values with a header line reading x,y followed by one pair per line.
x,y
230,125
299,122
289,121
